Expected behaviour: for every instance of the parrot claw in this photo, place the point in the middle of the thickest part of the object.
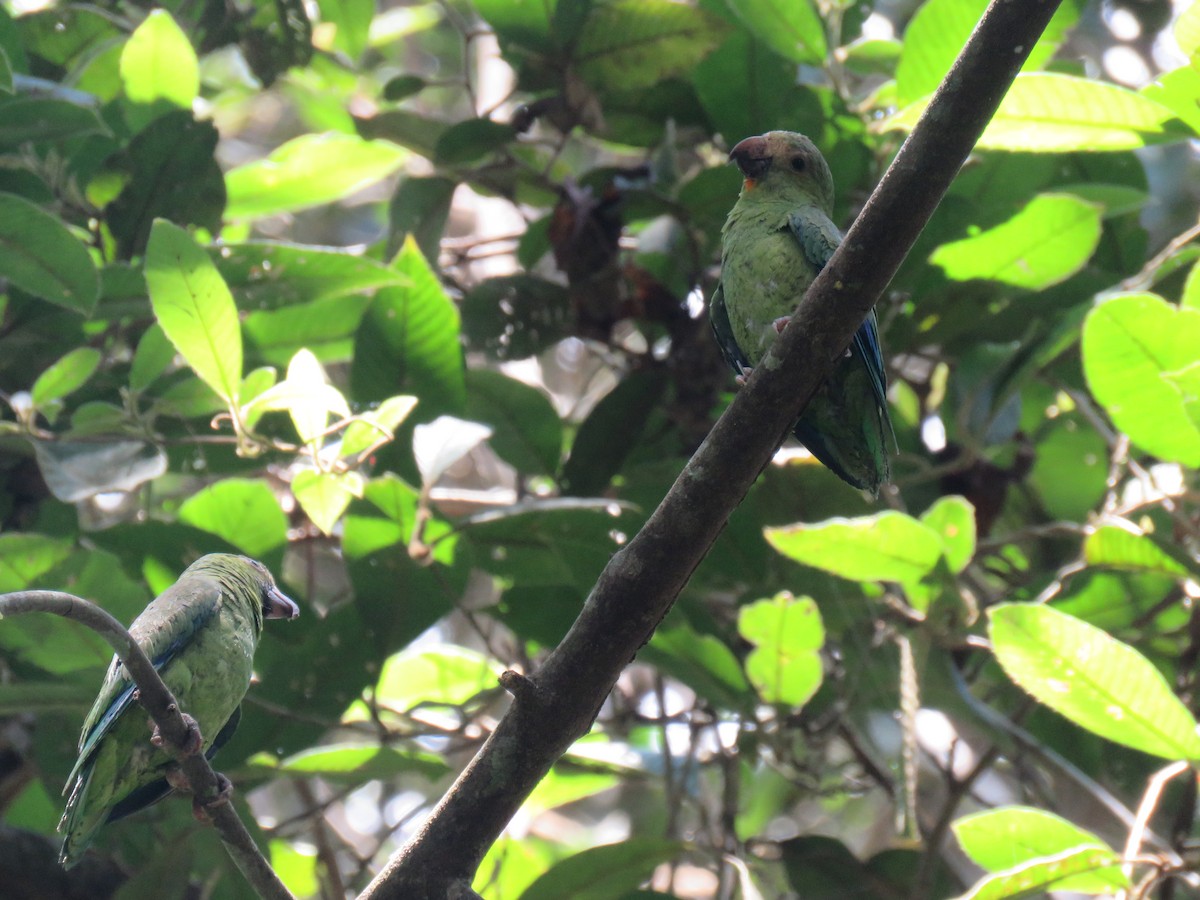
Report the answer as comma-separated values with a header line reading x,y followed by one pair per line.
x,y
193,742
741,379
202,811
780,324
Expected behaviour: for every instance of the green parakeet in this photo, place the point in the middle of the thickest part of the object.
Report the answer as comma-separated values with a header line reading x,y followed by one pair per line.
x,y
777,238
201,634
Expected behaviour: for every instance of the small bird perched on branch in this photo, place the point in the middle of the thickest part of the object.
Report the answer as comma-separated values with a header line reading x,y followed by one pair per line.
x,y
201,634
777,238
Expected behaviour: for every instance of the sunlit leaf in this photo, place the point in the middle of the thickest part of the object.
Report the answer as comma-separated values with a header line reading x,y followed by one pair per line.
x,y
1054,113
324,496
889,546
158,62
1045,243
1035,878
999,839
1092,679
954,519
66,375
309,170
794,30
1129,343
243,511
441,443
785,664
195,308
1126,549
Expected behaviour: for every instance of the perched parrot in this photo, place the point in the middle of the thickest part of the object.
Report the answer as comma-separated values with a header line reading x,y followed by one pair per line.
x,y
777,238
200,633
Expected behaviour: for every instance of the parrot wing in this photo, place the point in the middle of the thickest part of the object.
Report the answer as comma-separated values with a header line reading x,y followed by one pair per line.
x,y
162,631
718,317
818,237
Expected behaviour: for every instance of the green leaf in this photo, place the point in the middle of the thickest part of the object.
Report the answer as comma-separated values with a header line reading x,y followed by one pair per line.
x,y
449,675
324,496
702,662
265,276
76,470
158,63
194,308
351,21
154,353
935,36
68,374
24,558
1129,343
791,28
1187,31
242,511
1035,878
171,173
307,171
1052,113
1190,298
526,431
632,44
999,839
40,255
1092,679
888,546
954,519
785,665
408,342
1179,91
376,424
26,119
516,316
307,396
472,140
297,871
522,22
357,763
1129,550
601,873
1048,241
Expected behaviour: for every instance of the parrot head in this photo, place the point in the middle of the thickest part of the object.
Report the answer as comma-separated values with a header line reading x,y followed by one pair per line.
x,y
786,165
247,577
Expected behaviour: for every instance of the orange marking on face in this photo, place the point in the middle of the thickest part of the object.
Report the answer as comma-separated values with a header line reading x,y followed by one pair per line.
x,y
749,184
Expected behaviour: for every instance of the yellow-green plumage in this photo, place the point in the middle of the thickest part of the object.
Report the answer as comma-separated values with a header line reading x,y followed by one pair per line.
x,y
777,238
201,634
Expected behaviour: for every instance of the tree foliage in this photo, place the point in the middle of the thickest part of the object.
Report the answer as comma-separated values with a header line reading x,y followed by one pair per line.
x,y
407,302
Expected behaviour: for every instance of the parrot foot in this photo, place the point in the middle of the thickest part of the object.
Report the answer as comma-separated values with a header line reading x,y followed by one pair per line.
x,y
740,380
192,743
780,324
202,810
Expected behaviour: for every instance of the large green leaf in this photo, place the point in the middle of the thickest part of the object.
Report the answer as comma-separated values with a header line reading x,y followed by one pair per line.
x,y
526,431
1053,113
194,308
1127,549
1130,343
24,119
171,173
935,36
888,546
309,170
791,28
601,873
1093,679
408,342
1048,241
66,375
631,44
40,255
243,511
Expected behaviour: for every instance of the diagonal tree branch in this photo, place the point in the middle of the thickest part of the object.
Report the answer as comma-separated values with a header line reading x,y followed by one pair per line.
x,y
160,703
557,704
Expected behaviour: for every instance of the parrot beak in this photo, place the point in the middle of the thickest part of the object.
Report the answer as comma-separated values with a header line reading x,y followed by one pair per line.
x,y
752,157
278,605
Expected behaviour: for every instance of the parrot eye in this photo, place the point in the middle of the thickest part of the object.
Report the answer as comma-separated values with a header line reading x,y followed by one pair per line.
x,y
799,163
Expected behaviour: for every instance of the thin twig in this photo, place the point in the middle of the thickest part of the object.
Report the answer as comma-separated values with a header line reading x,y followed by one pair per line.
x,y
163,708
1154,789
